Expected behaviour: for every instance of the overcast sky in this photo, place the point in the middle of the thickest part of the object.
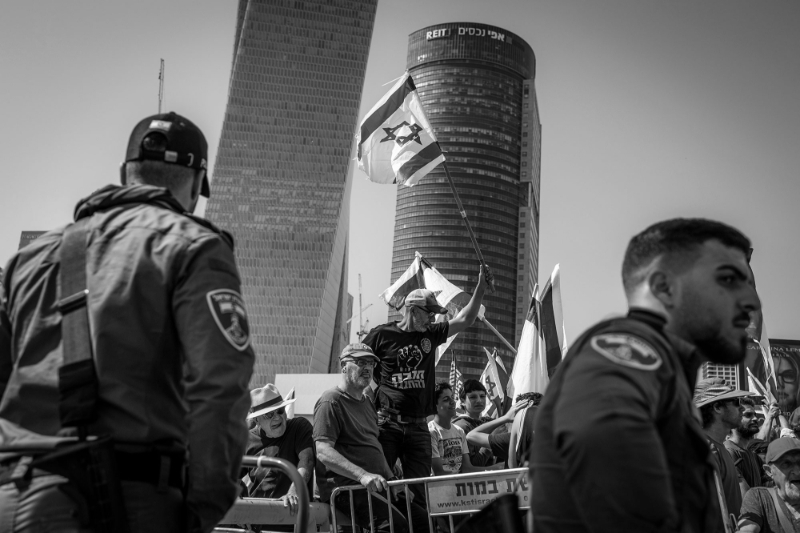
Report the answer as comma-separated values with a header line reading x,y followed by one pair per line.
x,y
649,109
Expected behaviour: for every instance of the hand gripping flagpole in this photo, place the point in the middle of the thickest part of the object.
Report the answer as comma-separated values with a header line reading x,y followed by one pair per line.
x,y
482,319
463,213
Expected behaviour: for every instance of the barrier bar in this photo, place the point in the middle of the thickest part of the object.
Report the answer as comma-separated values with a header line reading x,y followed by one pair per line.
x,y
299,484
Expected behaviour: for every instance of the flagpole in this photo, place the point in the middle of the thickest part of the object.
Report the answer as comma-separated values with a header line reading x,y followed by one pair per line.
x,y
499,336
463,213
482,319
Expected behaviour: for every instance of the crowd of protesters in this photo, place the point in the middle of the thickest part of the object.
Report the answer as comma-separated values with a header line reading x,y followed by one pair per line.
x,y
644,446
344,449
128,324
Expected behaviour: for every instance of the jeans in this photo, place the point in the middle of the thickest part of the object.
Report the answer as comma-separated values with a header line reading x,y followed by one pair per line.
x,y
411,443
49,505
380,512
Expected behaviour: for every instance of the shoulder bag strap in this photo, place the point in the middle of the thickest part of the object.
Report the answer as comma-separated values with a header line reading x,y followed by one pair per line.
x,y
77,377
786,524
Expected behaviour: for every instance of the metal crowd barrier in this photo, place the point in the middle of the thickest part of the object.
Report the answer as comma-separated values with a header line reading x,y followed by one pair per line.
x,y
248,510
446,496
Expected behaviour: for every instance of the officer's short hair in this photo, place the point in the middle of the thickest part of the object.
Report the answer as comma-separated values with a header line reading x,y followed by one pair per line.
x,y
470,385
439,388
159,174
676,236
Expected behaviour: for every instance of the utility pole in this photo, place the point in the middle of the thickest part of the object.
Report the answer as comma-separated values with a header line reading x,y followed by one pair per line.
x,y
361,333
362,326
160,86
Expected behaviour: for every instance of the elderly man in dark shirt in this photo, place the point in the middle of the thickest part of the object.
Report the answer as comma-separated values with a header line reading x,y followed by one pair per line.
x,y
274,435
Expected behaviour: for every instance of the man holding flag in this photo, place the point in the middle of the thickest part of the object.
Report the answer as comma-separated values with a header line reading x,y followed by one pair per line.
x,y
396,144
405,375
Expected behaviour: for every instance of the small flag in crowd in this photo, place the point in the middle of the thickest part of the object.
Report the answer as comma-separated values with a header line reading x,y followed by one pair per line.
x,y
495,385
766,354
543,343
757,335
754,385
411,279
395,142
455,378
290,407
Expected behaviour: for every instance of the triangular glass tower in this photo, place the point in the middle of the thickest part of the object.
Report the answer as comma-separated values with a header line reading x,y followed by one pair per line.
x,y
282,176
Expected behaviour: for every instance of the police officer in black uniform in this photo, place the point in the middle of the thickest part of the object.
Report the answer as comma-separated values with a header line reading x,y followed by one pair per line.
x,y
618,444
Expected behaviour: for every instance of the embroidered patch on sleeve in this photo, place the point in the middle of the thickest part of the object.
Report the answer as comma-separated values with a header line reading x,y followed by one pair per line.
x,y
227,308
626,350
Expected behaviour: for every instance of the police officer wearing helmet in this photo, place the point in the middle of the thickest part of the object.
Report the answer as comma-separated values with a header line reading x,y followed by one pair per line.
x,y
619,446
169,336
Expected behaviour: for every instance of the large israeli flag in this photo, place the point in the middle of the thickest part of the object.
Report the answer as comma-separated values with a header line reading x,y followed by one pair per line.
x,y
395,142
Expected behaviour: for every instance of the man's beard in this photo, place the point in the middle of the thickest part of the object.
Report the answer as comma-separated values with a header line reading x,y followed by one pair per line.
x,y
747,431
419,324
718,350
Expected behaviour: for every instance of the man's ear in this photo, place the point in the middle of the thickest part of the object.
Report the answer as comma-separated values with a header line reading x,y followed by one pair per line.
x,y
662,286
197,183
768,470
122,174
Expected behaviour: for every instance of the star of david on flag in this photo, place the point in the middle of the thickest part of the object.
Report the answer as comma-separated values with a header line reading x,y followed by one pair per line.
x,y
395,142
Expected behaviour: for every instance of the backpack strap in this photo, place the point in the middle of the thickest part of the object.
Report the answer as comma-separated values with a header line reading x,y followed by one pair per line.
x,y
786,524
78,389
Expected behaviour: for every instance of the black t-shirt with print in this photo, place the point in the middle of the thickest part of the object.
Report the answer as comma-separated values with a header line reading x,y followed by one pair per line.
x,y
406,375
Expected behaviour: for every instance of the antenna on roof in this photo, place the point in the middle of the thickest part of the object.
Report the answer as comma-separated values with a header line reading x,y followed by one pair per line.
x,y
160,86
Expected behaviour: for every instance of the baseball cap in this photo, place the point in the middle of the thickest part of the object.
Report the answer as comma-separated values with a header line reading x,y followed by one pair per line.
x,y
357,350
170,138
712,390
779,447
425,299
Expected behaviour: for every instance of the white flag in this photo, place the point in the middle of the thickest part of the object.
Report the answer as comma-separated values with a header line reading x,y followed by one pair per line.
x,y
395,295
290,407
395,141
543,343
494,386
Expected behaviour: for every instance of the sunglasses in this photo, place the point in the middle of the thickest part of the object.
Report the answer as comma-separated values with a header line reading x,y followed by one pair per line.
x,y
363,363
279,411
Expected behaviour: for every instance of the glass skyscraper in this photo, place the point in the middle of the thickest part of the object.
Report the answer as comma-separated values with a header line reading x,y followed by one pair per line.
x,y
477,85
283,173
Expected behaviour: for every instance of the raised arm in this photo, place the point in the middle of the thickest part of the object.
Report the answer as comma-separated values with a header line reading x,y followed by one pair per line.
x,y
480,435
769,421
469,313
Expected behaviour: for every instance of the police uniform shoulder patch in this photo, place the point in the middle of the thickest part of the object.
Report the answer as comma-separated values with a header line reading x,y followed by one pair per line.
x,y
626,350
227,308
426,345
